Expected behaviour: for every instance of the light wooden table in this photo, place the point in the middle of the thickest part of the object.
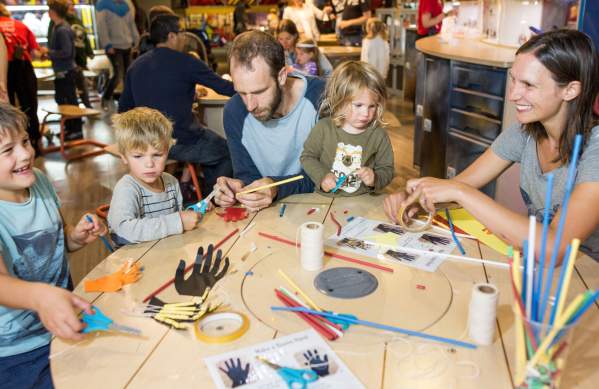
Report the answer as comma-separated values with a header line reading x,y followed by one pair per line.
x,y
165,357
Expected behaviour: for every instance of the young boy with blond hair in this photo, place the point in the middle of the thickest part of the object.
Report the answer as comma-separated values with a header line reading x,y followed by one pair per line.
x,y
34,270
146,203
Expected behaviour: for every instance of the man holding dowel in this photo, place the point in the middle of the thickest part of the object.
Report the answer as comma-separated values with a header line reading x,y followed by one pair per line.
x,y
266,123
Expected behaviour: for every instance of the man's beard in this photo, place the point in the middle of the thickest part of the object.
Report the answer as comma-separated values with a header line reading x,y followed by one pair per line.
x,y
272,107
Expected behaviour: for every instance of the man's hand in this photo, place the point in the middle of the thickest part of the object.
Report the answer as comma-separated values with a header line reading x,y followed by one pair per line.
x,y
366,174
227,187
58,309
189,219
328,183
260,199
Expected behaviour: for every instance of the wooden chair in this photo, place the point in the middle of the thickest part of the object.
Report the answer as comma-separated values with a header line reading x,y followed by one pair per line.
x,y
114,150
69,112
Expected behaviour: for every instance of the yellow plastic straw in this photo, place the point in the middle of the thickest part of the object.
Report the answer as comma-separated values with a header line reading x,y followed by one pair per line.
x,y
271,185
301,292
568,275
561,322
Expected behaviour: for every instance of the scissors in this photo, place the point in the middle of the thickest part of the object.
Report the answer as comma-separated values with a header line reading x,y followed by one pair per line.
x,y
340,182
202,205
98,321
292,376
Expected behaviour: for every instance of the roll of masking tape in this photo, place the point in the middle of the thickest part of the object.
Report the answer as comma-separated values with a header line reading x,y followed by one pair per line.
x,y
221,327
412,227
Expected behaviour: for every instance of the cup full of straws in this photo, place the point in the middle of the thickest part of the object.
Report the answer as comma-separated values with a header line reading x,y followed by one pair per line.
x,y
544,331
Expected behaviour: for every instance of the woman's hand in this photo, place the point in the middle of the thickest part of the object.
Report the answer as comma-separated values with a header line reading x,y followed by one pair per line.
x,y
429,191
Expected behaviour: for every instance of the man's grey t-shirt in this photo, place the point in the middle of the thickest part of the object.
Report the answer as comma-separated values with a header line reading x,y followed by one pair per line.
x,y
516,145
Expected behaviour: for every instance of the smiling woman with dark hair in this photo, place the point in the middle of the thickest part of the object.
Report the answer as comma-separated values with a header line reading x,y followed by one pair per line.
x,y
553,83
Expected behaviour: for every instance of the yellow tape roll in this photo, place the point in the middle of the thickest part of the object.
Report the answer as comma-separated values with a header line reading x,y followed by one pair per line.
x,y
412,228
201,326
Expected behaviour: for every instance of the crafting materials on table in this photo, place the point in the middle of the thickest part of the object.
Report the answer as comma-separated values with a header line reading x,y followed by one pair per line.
x,y
202,205
401,218
311,211
466,222
292,377
282,210
205,273
127,273
332,315
172,280
300,350
102,237
328,253
312,304
340,182
482,313
246,229
221,327
176,315
312,245
232,214
98,321
315,323
286,181
453,234
334,220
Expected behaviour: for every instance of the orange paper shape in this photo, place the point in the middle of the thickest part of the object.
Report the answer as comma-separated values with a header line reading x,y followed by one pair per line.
x,y
127,274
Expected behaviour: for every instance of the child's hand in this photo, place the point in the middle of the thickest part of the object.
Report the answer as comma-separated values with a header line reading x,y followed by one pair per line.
x,y
366,174
86,232
328,183
190,219
58,309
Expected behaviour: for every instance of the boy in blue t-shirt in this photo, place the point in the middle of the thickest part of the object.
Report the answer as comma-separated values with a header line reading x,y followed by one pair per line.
x,y
34,271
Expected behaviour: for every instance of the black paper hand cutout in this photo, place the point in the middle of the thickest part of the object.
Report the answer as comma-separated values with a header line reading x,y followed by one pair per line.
x,y
204,275
436,240
234,371
319,365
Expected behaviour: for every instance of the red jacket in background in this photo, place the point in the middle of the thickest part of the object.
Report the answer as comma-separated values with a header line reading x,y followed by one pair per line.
x,y
15,32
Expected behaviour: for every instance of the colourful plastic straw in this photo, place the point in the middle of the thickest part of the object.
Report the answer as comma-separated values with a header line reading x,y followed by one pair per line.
x,y
562,290
379,326
583,308
560,283
530,267
340,182
562,222
543,251
452,230
525,264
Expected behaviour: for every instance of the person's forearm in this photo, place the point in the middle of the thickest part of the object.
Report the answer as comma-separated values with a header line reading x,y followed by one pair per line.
x,y
428,21
19,294
355,22
503,222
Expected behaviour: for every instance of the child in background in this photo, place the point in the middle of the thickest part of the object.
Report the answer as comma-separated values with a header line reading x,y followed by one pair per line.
x,y
287,35
61,50
146,203
375,48
34,269
351,142
306,58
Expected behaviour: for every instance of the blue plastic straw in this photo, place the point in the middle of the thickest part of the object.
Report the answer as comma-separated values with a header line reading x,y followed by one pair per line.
x,y
452,230
562,222
583,308
282,210
106,243
340,182
379,326
539,280
559,284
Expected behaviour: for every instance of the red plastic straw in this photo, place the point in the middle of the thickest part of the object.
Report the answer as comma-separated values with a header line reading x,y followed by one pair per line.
x,y
313,322
336,222
330,254
172,280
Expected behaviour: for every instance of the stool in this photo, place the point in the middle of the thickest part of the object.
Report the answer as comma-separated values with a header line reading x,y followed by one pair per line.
x,y
68,112
114,150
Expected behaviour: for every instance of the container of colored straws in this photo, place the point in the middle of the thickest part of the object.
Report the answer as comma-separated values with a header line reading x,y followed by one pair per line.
x,y
544,331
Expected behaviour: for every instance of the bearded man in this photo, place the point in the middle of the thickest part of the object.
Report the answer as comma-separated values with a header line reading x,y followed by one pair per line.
x,y
266,122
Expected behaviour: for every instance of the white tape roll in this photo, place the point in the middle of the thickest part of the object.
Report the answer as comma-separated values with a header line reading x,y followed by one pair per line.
x,y
483,312
312,245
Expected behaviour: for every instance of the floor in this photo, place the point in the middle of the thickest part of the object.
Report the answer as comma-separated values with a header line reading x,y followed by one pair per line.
x,y
83,185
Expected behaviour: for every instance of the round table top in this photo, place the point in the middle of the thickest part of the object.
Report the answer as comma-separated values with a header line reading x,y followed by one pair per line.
x,y
164,357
